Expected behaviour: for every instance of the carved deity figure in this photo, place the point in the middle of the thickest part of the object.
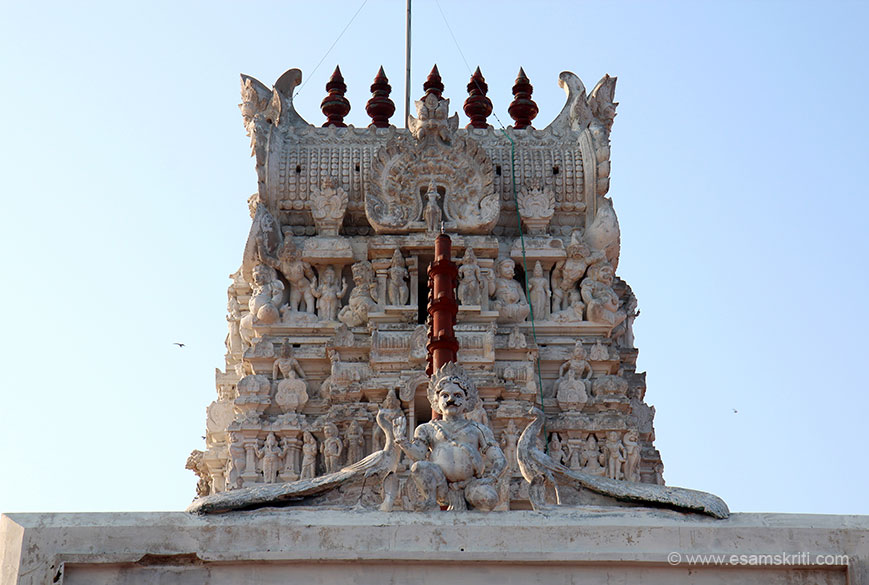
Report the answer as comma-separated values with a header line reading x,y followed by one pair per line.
x,y
509,297
556,449
361,300
291,394
539,293
270,454
569,272
328,204
234,343
267,294
602,304
309,457
614,453
396,286
509,439
332,448
354,442
632,456
570,391
432,213
471,282
196,464
516,339
599,352
457,461
298,273
329,294
590,457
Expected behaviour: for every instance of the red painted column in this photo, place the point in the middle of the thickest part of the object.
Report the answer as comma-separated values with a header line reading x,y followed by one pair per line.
x,y
443,275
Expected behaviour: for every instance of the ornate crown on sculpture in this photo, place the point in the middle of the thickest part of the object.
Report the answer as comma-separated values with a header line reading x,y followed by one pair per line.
x,y
452,372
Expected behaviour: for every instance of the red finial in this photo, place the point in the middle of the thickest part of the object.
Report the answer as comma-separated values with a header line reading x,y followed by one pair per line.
x,y
522,109
443,275
478,106
335,105
380,107
434,84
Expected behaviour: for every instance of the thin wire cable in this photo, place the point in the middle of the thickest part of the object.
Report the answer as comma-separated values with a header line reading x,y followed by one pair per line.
x,y
518,220
309,77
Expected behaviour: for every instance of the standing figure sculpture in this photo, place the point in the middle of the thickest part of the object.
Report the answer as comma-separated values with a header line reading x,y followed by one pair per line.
x,y
396,287
329,294
309,457
632,457
510,299
270,455
361,300
432,213
332,448
569,272
614,453
471,283
298,273
509,438
539,293
291,394
354,442
457,462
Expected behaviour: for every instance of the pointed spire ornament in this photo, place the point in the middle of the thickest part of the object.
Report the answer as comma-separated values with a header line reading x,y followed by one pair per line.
x,y
434,84
522,109
478,106
335,105
380,107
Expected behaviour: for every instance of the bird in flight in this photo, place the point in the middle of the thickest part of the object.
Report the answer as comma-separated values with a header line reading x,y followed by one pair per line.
x,y
178,344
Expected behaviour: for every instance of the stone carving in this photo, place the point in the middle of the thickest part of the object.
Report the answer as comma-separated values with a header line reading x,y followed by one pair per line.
x,y
298,273
329,294
354,442
332,448
235,344
361,297
270,454
456,461
556,448
516,339
632,457
536,206
309,457
396,288
196,464
268,293
509,297
539,293
291,394
570,391
590,457
569,272
614,453
472,285
602,304
432,215
509,438
598,352
437,162
328,204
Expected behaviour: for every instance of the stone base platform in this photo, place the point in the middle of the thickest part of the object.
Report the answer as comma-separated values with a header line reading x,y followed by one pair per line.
x,y
312,547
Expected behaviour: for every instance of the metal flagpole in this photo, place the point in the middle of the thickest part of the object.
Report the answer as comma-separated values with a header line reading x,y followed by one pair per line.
x,y
407,69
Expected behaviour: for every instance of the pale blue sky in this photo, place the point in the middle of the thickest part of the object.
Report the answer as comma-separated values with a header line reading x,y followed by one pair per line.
x,y
739,155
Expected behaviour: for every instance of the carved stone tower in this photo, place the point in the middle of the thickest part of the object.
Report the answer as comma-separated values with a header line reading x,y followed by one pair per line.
x,y
327,313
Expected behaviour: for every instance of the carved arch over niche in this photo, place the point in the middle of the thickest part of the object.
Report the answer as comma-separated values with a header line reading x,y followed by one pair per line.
x,y
460,171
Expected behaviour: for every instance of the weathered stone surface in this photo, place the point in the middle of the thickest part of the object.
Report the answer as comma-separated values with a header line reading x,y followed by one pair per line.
x,y
305,546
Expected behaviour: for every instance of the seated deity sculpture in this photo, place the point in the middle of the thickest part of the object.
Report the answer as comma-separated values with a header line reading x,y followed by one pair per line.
x,y
396,287
267,294
602,303
570,391
361,300
457,462
329,294
510,299
291,394
298,273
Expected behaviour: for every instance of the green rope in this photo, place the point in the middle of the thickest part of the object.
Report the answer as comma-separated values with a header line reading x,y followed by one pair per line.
x,y
525,268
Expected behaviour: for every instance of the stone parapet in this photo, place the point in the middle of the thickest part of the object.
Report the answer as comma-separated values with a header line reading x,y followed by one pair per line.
x,y
286,546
